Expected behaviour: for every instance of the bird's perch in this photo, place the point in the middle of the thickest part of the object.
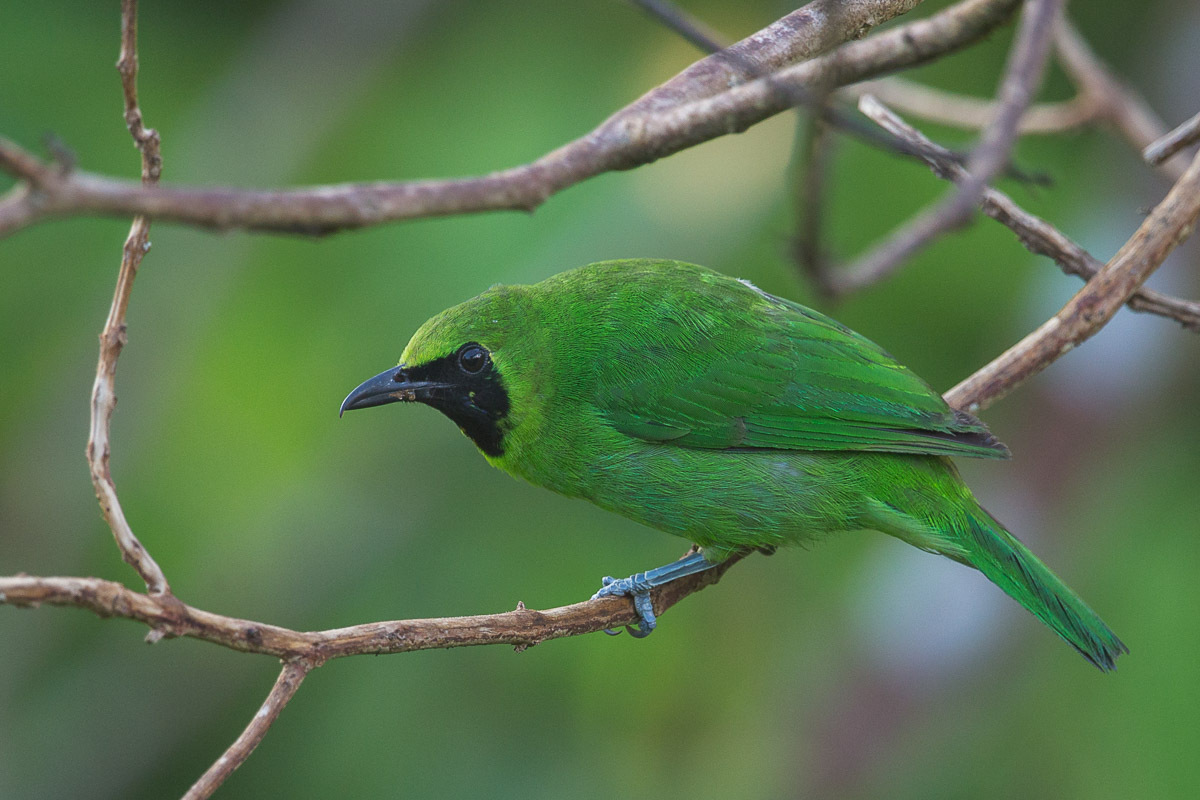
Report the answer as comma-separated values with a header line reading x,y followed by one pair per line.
x,y
708,100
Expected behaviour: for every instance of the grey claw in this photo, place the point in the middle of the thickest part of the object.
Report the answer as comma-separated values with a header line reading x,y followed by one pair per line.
x,y
638,633
641,602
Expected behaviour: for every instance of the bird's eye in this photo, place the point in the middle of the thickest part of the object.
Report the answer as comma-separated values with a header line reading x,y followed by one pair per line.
x,y
473,358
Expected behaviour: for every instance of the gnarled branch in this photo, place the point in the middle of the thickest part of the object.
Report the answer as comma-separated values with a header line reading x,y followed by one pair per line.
x,y
673,117
1036,234
286,685
1171,221
1185,135
112,338
1026,65
523,627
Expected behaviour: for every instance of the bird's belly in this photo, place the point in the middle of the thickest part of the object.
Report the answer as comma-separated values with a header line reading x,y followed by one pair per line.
x,y
732,500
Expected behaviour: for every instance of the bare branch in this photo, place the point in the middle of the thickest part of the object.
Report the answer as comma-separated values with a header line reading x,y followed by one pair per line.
x,y
146,139
1036,234
665,121
974,113
523,627
813,145
1101,97
1171,221
112,338
1185,135
23,164
815,28
1023,76
1122,107
282,692
303,651
1026,65
814,149
700,35
817,102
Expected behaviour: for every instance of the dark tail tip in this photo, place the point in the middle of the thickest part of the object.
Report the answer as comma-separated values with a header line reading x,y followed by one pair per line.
x,y
1010,565
1101,645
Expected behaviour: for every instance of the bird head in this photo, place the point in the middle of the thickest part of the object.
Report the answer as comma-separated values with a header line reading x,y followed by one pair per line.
x,y
460,362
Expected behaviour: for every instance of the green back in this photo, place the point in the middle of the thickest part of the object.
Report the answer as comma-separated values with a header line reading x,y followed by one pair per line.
x,y
685,355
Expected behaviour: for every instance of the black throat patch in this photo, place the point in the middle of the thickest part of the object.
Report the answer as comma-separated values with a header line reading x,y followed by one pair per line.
x,y
477,403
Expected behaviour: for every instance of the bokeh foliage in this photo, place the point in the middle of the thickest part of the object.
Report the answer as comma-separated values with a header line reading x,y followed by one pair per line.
x,y
861,669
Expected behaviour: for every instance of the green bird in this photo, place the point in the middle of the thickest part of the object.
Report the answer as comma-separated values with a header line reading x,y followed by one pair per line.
x,y
707,408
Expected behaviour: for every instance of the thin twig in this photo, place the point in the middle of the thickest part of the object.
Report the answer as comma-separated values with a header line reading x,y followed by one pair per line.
x,y
1171,221
814,149
1036,234
663,122
811,30
304,651
1026,65
704,39
523,627
1100,97
1023,75
974,113
282,692
112,338
1185,135
1124,109
683,23
22,164
146,139
810,153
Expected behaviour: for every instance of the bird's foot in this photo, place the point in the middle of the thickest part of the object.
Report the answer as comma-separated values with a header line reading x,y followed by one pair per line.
x,y
637,587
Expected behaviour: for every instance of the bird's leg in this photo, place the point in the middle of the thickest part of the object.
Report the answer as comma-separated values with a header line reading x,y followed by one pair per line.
x,y
639,585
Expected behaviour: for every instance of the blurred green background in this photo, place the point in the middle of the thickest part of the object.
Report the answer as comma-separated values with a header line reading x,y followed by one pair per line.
x,y
861,669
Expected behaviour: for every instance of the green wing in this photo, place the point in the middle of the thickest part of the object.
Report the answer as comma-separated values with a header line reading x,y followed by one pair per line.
x,y
719,364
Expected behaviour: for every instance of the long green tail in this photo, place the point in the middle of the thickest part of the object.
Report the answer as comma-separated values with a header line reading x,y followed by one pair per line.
x,y
1007,563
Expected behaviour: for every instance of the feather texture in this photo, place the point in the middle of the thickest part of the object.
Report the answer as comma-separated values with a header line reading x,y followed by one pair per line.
x,y
758,371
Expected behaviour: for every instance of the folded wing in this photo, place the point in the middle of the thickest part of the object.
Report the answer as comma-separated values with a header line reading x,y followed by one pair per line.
x,y
728,366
